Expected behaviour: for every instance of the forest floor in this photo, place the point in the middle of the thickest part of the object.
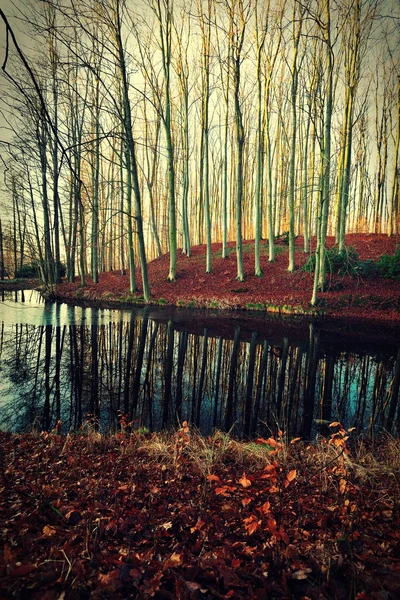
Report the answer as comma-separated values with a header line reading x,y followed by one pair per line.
x,y
277,291
181,517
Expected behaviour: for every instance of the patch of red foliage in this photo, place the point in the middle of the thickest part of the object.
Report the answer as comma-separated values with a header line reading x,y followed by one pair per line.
x,y
276,291
93,517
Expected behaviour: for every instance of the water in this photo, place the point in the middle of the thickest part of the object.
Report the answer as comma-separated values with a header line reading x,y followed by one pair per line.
x,y
241,373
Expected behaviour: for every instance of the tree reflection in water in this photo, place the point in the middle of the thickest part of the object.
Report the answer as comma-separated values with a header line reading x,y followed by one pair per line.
x,y
159,375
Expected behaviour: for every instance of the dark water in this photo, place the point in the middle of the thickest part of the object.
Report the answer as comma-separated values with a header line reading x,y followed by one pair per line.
x,y
246,374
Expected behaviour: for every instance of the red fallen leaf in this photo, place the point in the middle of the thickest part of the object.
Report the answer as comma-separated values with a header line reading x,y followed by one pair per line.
x,y
246,501
224,490
173,561
213,478
199,525
270,469
22,570
244,481
265,508
251,524
271,525
236,563
290,476
283,535
107,578
271,442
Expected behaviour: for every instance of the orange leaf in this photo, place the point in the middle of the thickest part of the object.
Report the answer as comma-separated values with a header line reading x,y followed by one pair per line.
x,y
291,475
271,524
246,501
265,507
244,481
213,478
173,561
284,536
270,469
251,524
294,440
335,424
49,530
224,490
252,527
342,485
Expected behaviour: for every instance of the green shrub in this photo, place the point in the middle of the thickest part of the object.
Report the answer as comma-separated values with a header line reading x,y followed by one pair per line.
x,y
29,271
336,261
26,272
367,269
389,265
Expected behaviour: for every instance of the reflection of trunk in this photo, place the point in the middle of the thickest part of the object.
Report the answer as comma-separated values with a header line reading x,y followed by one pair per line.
x,y
168,366
282,378
326,408
195,353
217,380
363,389
250,385
47,359
309,389
139,364
120,369
294,391
395,395
182,348
94,384
231,385
202,376
260,380
128,363
59,346
146,383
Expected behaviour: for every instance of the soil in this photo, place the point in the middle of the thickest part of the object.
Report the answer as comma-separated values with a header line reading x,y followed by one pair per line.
x,y
277,291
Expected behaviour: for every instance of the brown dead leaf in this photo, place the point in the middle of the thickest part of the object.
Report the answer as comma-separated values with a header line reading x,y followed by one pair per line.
x,y
213,478
49,530
301,574
244,481
265,508
173,561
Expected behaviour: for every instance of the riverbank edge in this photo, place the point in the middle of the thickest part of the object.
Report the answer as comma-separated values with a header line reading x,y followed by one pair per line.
x,y
285,311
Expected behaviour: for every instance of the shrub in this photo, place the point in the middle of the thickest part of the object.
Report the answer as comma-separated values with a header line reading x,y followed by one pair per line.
x,y
336,261
389,265
26,272
367,269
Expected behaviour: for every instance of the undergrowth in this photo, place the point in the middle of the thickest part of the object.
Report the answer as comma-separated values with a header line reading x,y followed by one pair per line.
x,y
348,262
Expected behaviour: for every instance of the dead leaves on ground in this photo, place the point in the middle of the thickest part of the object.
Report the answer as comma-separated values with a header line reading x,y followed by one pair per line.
x,y
92,521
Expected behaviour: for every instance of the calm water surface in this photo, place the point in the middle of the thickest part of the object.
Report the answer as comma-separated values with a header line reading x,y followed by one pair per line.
x,y
246,374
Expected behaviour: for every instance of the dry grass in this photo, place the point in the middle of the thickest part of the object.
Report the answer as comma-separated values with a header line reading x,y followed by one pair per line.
x,y
369,460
